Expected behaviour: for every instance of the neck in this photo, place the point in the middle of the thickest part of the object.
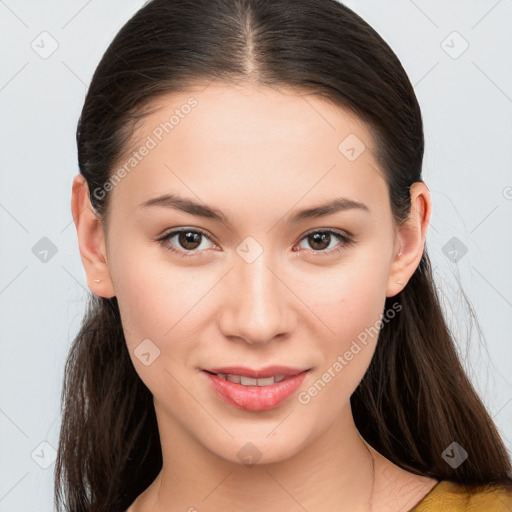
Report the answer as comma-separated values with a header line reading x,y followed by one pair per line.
x,y
335,471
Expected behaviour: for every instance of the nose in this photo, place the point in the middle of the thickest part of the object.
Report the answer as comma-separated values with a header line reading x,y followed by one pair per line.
x,y
255,305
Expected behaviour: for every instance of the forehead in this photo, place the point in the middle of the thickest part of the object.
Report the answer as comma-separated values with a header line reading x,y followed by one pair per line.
x,y
223,139
249,115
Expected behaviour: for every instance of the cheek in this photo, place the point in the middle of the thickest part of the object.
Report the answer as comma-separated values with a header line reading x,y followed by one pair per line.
x,y
154,334
164,310
151,302
346,354
166,304
349,302
350,296
356,324
152,293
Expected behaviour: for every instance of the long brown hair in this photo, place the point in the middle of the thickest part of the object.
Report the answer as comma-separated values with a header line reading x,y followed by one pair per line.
x,y
415,399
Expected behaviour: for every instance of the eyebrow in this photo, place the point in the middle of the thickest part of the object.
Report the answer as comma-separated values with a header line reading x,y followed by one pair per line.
x,y
201,210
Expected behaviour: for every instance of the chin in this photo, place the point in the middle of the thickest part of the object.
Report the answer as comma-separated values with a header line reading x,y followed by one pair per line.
x,y
259,450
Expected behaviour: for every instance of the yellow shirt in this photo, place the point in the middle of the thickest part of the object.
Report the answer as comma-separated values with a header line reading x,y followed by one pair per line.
x,y
453,497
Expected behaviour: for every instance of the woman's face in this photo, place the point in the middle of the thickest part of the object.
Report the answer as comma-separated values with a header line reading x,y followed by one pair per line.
x,y
256,283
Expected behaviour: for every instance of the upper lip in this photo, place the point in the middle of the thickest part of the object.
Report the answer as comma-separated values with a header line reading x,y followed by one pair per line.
x,y
268,371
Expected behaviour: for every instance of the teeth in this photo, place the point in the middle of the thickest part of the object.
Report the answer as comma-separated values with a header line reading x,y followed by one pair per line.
x,y
265,382
249,381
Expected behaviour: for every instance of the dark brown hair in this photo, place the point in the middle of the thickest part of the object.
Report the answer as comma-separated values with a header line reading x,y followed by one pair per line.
x,y
415,399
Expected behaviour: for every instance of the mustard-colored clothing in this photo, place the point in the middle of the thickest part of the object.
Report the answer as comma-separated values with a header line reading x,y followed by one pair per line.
x,y
453,497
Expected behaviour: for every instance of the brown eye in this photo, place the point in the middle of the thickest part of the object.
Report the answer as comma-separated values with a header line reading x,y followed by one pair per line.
x,y
187,242
320,240
189,239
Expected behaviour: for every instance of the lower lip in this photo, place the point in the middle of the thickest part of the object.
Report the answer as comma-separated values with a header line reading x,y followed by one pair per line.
x,y
255,398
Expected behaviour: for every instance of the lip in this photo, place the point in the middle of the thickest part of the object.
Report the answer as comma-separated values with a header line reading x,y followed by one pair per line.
x,y
262,373
256,398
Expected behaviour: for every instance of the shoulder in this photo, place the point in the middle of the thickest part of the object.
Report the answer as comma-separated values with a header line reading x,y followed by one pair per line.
x,y
453,496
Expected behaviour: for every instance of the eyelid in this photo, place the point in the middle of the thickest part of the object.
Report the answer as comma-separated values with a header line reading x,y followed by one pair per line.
x,y
345,238
339,232
164,239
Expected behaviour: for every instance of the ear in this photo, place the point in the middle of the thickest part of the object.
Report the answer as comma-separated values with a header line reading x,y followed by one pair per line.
x,y
410,239
91,240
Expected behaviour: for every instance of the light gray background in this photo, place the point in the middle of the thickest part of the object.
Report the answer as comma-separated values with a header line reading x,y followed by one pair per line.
x,y
466,99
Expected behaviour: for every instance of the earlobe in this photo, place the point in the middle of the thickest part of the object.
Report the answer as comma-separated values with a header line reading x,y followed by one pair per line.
x,y
91,240
410,239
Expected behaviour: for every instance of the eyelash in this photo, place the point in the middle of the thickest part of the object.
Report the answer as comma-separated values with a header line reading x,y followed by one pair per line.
x,y
346,240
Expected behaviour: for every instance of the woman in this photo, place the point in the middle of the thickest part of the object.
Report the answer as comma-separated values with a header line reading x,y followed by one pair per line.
x,y
264,332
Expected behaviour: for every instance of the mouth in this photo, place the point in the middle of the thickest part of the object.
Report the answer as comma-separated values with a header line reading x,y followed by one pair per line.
x,y
268,371
255,390
249,381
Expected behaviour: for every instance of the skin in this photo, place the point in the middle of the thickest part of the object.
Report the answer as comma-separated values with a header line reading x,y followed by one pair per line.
x,y
257,154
